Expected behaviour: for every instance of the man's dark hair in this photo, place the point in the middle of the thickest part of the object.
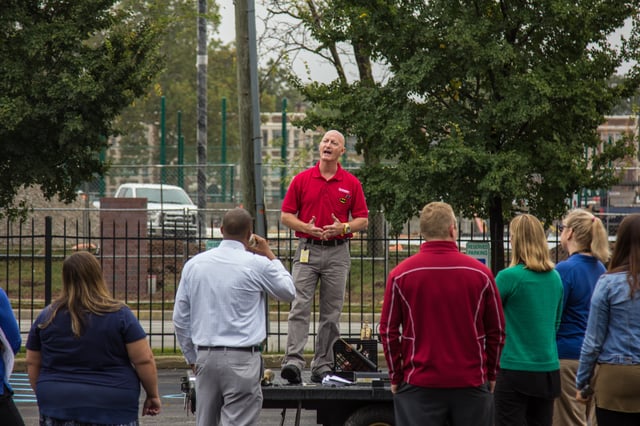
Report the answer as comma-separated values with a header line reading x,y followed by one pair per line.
x,y
236,223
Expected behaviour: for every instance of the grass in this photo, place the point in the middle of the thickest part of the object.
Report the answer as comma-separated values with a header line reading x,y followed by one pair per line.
x,y
25,281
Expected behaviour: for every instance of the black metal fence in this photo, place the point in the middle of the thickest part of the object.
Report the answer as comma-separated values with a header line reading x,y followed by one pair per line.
x,y
144,272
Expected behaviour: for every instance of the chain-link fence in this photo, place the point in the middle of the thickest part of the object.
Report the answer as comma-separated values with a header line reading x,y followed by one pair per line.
x,y
222,181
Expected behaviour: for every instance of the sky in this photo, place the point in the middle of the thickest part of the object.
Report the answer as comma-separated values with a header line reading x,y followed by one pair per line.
x,y
320,71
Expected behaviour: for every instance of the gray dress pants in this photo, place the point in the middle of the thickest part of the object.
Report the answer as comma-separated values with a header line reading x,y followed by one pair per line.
x,y
228,391
328,266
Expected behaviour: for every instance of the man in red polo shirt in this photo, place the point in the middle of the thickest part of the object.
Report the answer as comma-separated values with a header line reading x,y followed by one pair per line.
x,y
324,205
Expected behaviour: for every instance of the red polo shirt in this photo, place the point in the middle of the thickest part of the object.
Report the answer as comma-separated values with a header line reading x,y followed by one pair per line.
x,y
310,195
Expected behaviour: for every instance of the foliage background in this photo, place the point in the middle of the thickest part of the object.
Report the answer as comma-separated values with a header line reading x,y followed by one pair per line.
x,y
490,106
67,69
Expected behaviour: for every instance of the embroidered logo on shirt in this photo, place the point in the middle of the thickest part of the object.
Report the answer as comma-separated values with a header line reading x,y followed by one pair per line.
x,y
346,197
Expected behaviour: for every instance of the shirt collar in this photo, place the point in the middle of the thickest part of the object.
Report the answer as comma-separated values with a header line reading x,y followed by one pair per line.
x,y
337,176
440,245
232,244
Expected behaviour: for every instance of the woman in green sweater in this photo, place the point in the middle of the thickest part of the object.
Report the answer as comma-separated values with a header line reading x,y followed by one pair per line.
x,y
531,293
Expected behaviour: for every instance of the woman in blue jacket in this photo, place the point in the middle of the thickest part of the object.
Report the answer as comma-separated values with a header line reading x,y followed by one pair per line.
x,y
585,239
612,340
9,345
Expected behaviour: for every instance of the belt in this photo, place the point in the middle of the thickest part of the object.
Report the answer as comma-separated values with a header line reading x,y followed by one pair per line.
x,y
229,348
330,243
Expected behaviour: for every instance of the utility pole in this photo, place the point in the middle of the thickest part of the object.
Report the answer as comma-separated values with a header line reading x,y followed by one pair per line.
x,y
249,114
256,137
202,114
247,183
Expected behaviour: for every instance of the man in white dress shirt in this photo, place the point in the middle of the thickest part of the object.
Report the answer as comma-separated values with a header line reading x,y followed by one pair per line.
x,y
219,320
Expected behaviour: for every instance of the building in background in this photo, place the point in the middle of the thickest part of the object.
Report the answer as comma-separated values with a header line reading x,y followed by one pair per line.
x,y
625,194
621,199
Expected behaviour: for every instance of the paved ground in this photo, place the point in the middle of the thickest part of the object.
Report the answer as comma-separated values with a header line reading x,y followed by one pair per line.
x,y
173,412
170,370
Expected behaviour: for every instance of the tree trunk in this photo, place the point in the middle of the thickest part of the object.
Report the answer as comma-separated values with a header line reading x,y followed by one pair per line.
x,y
376,232
376,236
496,229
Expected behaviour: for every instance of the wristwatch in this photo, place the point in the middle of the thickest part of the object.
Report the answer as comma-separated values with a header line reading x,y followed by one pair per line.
x,y
346,229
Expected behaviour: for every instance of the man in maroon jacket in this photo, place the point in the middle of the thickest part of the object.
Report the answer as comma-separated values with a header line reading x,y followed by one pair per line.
x,y
442,330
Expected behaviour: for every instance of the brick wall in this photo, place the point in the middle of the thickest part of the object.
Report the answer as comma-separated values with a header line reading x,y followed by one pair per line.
x,y
125,246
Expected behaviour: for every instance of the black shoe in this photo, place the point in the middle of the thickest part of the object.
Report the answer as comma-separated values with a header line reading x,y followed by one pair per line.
x,y
317,377
291,373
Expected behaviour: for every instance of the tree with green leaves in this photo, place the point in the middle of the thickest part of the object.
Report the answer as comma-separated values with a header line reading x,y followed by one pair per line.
x,y
490,105
629,105
67,69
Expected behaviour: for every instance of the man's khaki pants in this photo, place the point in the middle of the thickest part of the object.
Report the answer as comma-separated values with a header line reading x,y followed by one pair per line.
x,y
567,411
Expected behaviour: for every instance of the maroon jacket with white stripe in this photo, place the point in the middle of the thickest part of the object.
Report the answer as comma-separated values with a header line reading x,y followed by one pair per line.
x,y
442,324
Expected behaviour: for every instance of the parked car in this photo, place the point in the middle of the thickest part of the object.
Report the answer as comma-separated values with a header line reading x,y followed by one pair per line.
x,y
170,211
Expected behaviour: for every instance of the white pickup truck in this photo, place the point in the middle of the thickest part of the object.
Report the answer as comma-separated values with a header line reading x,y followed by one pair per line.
x,y
171,213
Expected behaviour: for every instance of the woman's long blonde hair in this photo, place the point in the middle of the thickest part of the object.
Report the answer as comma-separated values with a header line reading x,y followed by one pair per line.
x,y
529,244
84,291
589,233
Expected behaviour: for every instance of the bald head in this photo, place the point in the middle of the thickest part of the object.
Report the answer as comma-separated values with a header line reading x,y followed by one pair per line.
x,y
237,224
336,134
331,147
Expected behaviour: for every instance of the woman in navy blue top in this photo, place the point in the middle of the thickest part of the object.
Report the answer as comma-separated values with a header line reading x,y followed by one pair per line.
x,y
87,354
